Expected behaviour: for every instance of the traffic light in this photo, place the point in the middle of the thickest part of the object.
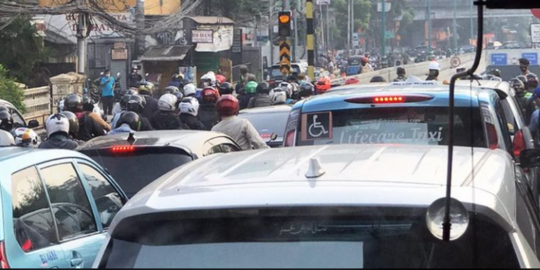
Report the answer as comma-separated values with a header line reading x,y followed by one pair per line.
x,y
284,19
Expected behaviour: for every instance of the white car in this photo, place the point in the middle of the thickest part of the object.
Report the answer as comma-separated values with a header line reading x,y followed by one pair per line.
x,y
372,206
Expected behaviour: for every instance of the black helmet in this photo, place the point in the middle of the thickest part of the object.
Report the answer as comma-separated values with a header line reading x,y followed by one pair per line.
x,y
73,103
88,105
124,101
263,88
131,119
522,78
6,121
516,84
495,72
532,80
73,123
377,79
292,78
400,71
225,89
306,89
136,104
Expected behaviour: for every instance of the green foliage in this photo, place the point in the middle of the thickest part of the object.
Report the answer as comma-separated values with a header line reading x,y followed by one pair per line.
x,y
21,49
10,91
362,16
240,11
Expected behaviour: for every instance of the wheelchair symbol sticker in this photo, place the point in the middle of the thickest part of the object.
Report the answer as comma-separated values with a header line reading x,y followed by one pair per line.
x,y
317,126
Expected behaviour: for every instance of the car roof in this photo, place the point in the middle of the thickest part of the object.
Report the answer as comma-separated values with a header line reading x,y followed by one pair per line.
x,y
336,96
187,139
20,157
5,102
398,175
267,109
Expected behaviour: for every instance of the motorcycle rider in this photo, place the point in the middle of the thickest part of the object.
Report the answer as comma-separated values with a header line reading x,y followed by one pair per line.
x,y
57,126
73,126
208,80
189,107
146,90
207,110
226,88
401,75
250,90
177,80
519,87
6,139
239,129
377,79
278,96
190,90
306,90
130,122
135,78
262,99
137,104
434,68
88,126
166,118
88,107
26,137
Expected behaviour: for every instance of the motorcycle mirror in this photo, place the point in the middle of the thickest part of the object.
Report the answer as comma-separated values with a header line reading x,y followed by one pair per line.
x,y
146,74
101,73
274,136
118,74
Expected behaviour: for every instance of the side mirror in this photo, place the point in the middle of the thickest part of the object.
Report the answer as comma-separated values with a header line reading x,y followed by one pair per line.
x,y
529,158
33,124
274,137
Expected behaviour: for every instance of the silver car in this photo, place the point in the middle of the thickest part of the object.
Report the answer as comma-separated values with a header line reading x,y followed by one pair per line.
x,y
372,206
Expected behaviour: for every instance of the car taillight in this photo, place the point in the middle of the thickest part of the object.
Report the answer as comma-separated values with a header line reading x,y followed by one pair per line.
x,y
3,259
123,149
519,143
389,99
290,129
493,139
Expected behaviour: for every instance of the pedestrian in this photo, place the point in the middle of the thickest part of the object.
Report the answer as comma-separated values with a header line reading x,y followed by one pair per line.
x,y
107,92
524,66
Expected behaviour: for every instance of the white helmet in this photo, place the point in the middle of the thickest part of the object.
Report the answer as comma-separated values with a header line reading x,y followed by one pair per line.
x,y
6,139
287,87
434,65
278,97
26,137
190,89
189,105
210,76
167,102
57,123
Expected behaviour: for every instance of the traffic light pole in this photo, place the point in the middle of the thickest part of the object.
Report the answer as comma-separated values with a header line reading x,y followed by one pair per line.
x,y
310,36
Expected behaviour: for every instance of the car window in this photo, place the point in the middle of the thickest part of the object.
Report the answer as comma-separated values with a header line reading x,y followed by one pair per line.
x,y
509,116
267,123
107,199
18,120
408,125
32,218
504,127
145,164
228,147
69,201
214,150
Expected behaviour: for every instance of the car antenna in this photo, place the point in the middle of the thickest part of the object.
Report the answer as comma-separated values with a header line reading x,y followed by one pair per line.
x,y
131,138
447,225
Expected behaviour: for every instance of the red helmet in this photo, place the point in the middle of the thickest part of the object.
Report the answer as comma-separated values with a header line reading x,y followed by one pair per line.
x,y
220,79
209,94
227,105
323,84
352,81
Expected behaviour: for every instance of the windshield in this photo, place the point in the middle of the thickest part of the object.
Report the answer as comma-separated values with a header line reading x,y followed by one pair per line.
x,y
268,123
276,71
408,125
304,238
134,170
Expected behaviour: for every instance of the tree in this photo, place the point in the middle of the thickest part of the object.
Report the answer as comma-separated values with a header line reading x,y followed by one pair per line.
x,y
362,15
21,49
10,91
243,12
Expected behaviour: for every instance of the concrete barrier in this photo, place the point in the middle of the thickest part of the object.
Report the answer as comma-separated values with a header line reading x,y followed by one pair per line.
x,y
448,69
38,104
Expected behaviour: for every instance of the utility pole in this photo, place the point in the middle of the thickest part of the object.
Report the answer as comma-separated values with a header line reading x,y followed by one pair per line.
x,y
349,27
454,30
328,46
310,39
383,27
82,34
295,25
472,21
429,25
139,21
321,26
352,22
271,19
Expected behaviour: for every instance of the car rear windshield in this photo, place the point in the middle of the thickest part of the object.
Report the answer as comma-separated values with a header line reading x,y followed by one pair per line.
x,y
268,123
276,71
404,125
304,238
135,169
